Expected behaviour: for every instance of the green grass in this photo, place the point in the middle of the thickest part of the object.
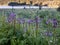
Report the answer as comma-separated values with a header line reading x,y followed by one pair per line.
x,y
28,35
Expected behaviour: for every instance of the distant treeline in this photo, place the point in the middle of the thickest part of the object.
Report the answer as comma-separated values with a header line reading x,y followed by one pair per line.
x,y
21,4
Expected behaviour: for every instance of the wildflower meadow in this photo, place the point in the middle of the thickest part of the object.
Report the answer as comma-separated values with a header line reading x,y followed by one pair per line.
x,y
29,27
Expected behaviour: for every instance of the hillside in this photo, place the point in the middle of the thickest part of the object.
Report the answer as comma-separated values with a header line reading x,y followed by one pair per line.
x,y
50,3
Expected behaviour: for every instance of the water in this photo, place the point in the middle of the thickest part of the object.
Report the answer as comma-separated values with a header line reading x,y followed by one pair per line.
x,y
21,7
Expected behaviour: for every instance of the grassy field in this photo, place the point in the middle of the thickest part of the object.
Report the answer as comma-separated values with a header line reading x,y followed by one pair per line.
x,y
29,27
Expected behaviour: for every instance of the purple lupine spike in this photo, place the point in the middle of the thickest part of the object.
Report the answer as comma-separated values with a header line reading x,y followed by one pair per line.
x,y
19,20
48,21
23,21
48,33
37,19
11,17
29,21
54,23
12,14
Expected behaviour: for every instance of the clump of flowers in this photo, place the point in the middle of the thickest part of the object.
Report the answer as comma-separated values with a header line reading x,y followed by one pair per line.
x,y
48,21
11,17
54,23
37,19
21,21
48,34
29,21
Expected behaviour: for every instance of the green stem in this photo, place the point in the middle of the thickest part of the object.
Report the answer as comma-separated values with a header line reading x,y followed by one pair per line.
x,y
54,38
14,22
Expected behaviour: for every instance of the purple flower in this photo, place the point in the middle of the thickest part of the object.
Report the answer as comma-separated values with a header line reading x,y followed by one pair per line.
x,y
54,23
37,19
22,21
48,33
30,21
48,21
18,20
11,17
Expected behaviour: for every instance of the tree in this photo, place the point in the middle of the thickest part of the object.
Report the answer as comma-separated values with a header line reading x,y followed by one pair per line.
x,y
58,9
40,6
30,2
19,1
